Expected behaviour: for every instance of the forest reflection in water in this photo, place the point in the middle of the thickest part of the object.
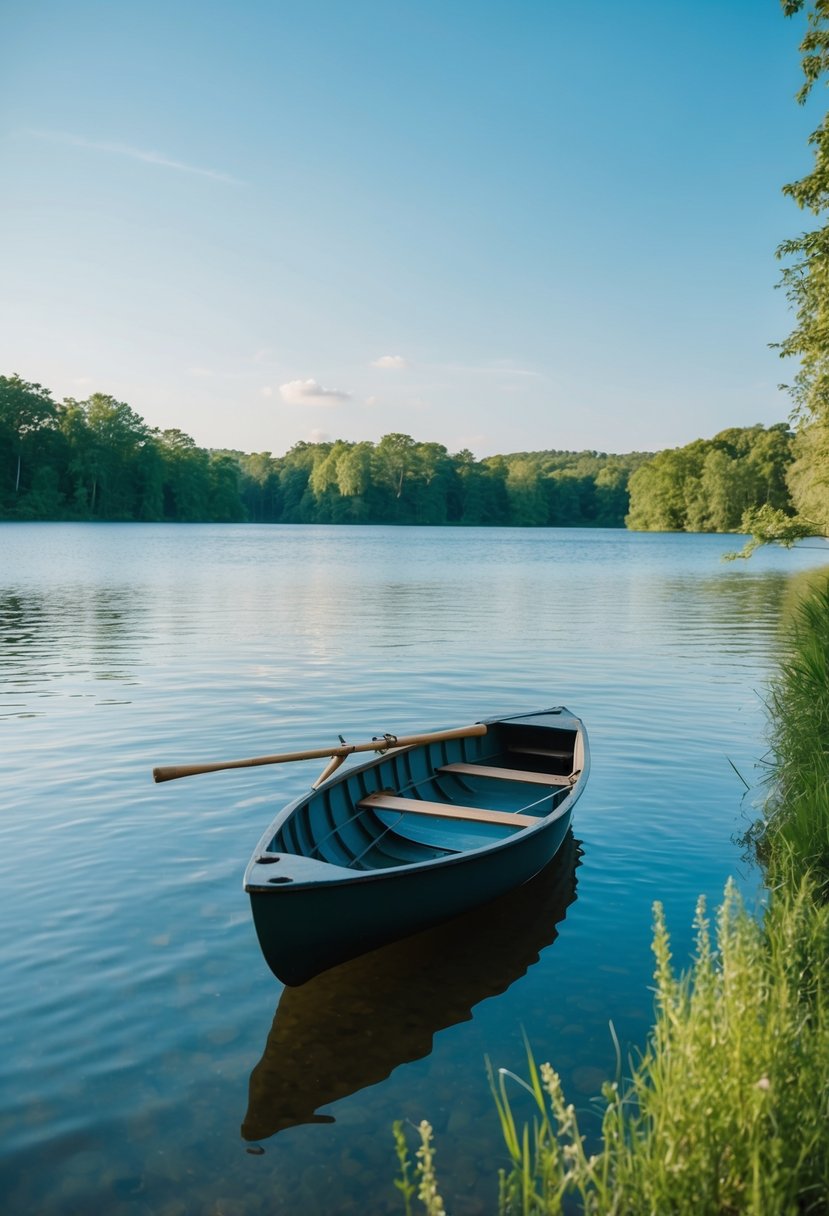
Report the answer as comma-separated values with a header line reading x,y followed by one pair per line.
x,y
353,1025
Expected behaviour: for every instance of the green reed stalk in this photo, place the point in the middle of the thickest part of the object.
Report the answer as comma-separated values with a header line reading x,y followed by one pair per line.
x,y
728,1109
794,833
404,1183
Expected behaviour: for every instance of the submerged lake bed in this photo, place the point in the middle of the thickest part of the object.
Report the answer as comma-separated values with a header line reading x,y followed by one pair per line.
x,y
151,1063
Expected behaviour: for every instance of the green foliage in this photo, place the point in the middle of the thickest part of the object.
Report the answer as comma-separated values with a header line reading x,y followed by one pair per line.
x,y
26,411
794,832
809,477
805,280
709,485
97,459
768,526
726,1110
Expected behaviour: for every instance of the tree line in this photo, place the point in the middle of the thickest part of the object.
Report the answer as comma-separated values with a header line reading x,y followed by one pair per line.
x,y
97,459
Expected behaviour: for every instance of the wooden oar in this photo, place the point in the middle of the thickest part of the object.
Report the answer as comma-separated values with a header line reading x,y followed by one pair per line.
x,y
384,743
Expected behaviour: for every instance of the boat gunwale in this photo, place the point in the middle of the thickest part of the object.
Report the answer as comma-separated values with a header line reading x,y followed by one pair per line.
x,y
331,874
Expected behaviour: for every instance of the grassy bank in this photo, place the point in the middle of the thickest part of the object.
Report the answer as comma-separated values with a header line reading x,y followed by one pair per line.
x,y
794,835
727,1111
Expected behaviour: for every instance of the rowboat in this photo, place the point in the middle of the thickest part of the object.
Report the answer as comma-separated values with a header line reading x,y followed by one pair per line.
x,y
353,1025
431,827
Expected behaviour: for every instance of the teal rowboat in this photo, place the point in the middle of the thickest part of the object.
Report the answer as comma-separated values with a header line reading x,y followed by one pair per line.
x,y
416,835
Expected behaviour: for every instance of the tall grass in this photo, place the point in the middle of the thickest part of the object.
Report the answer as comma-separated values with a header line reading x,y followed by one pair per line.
x,y
794,834
727,1110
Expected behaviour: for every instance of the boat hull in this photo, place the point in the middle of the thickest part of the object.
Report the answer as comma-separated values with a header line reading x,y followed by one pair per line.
x,y
311,915
305,931
351,1026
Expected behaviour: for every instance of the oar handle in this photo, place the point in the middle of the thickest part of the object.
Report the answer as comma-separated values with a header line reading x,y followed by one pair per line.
x,y
174,771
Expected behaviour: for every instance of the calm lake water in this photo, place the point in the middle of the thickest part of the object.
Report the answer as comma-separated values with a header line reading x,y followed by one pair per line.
x,y
149,1062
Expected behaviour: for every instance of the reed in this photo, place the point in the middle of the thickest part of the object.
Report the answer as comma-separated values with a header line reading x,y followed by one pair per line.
x,y
726,1110
426,1187
793,834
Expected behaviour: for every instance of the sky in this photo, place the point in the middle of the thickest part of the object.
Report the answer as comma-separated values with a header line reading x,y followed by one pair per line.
x,y
502,226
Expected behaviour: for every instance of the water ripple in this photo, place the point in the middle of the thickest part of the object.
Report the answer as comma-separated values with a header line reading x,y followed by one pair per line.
x,y
135,1001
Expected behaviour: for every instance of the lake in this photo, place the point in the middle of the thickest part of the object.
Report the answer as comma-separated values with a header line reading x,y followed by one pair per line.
x,y
150,1062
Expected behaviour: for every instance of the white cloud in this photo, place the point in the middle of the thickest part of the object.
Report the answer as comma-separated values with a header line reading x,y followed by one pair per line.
x,y
117,149
390,361
201,372
318,436
311,392
266,390
372,401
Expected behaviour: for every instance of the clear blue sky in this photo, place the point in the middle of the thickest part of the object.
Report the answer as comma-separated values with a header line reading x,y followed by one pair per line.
x,y
497,225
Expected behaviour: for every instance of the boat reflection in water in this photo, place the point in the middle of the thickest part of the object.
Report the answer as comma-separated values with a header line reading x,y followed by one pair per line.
x,y
348,1028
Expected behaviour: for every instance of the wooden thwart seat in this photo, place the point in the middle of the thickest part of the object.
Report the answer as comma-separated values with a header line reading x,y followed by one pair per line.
x,y
445,810
506,774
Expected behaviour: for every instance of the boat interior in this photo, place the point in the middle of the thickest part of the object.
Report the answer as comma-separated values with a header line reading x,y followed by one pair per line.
x,y
424,802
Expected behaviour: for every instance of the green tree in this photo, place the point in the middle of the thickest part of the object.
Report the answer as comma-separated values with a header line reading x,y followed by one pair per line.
x,y
396,462
45,500
708,485
434,482
562,489
225,503
324,471
612,497
72,424
260,486
724,491
470,489
25,408
658,500
294,477
497,506
527,504
187,484
805,279
809,475
114,436
150,480
354,469
354,466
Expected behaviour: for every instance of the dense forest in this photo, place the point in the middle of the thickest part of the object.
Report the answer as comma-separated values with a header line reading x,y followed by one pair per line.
x,y
710,484
98,460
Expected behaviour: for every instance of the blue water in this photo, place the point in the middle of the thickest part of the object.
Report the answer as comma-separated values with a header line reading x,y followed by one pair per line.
x,y
135,1004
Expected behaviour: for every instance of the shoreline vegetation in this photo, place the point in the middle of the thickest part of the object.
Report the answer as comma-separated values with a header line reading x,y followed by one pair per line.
x,y
97,460
726,1109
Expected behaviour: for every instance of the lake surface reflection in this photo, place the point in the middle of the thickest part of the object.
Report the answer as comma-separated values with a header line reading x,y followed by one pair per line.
x,y
140,1026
